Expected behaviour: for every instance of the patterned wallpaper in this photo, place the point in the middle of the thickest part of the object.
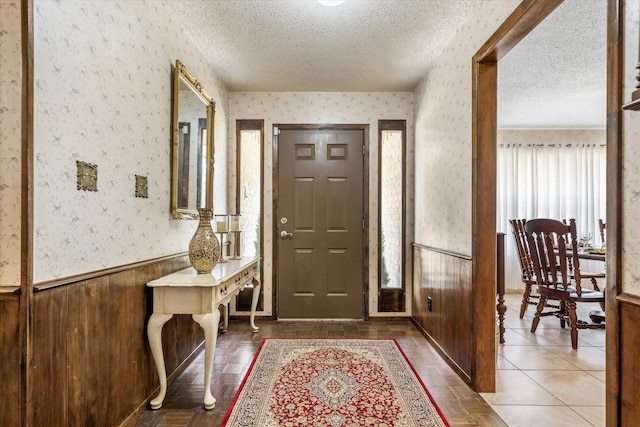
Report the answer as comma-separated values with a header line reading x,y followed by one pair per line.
x,y
443,155
443,141
631,167
321,107
103,96
10,135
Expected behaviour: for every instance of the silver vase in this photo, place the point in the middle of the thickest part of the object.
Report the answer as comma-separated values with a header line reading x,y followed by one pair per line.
x,y
204,248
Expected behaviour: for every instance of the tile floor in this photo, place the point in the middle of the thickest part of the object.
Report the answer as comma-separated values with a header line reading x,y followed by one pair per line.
x,y
541,380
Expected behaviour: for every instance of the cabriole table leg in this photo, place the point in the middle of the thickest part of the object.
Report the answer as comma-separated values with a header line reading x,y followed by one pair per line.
x,y
154,331
209,323
254,303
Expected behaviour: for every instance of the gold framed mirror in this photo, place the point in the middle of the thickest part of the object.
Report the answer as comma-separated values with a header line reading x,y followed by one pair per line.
x,y
192,148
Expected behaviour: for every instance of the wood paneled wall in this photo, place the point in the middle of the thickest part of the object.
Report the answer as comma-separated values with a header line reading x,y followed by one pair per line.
x,y
91,361
10,360
445,277
629,309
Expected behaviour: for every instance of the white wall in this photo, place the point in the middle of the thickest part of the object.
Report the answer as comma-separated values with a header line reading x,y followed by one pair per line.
x,y
321,107
103,95
10,137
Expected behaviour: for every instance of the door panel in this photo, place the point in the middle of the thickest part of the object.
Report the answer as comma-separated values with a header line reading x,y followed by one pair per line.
x,y
320,197
304,207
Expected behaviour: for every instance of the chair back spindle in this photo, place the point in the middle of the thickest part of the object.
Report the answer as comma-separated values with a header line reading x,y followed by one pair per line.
x,y
519,236
526,266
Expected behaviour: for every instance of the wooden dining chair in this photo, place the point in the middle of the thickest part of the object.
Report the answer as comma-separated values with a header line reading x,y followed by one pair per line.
x,y
526,266
550,249
602,225
527,275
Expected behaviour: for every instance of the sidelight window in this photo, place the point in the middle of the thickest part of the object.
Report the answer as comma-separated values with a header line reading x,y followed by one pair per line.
x,y
249,195
391,230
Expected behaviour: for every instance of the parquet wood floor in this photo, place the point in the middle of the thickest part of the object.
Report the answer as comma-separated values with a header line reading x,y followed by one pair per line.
x,y
235,349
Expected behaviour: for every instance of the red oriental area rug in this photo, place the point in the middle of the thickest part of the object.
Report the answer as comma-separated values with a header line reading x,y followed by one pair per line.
x,y
332,383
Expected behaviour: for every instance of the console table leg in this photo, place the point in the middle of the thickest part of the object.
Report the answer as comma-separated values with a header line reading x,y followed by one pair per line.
x,y
224,317
154,331
209,323
254,303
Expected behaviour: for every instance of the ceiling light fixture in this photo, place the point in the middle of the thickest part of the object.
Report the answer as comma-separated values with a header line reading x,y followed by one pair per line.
x,y
330,2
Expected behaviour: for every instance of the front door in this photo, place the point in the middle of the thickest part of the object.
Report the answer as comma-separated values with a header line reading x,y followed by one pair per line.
x,y
320,226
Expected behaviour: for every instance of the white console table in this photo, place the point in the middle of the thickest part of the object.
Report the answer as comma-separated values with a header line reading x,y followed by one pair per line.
x,y
201,295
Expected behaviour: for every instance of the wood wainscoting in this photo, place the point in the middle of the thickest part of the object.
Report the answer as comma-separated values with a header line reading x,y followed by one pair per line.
x,y
91,360
629,312
10,384
444,279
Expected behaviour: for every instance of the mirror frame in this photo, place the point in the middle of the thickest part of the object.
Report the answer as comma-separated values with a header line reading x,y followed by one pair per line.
x,y
182,75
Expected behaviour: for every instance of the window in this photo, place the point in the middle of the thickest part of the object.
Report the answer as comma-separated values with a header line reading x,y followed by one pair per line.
x,y
391,230
249,195
560,181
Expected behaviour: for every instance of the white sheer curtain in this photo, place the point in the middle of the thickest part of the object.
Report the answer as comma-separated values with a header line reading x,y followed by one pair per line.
x,y
549,181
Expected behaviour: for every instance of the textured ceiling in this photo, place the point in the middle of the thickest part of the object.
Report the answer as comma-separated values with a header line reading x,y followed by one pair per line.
x,y
555,78
301,45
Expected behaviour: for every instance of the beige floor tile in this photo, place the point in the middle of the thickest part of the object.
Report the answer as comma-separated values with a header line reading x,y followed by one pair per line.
x,y
534,357
518,337
555,370
504,364
594,337
596,415
536,416
571,387
601,375
512,316
551,334
515,388
586,358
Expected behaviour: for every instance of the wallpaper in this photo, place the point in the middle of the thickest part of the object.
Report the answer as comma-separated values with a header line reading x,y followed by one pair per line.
x,y
321,107
103,96
631,167
10,149
443,154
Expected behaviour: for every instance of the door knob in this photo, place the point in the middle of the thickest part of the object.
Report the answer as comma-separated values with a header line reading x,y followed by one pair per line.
x,y
285,234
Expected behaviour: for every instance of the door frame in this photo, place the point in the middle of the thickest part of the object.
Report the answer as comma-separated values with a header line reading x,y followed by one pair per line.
x,y
365,208
484,105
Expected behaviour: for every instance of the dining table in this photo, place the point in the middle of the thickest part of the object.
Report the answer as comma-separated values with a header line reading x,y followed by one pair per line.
x,y
593,254
592,259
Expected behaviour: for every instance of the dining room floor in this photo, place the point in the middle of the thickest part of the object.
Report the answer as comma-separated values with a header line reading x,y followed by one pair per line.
x,y
541,380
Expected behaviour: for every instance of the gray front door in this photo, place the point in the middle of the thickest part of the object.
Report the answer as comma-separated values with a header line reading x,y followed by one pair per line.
x,y
320,223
